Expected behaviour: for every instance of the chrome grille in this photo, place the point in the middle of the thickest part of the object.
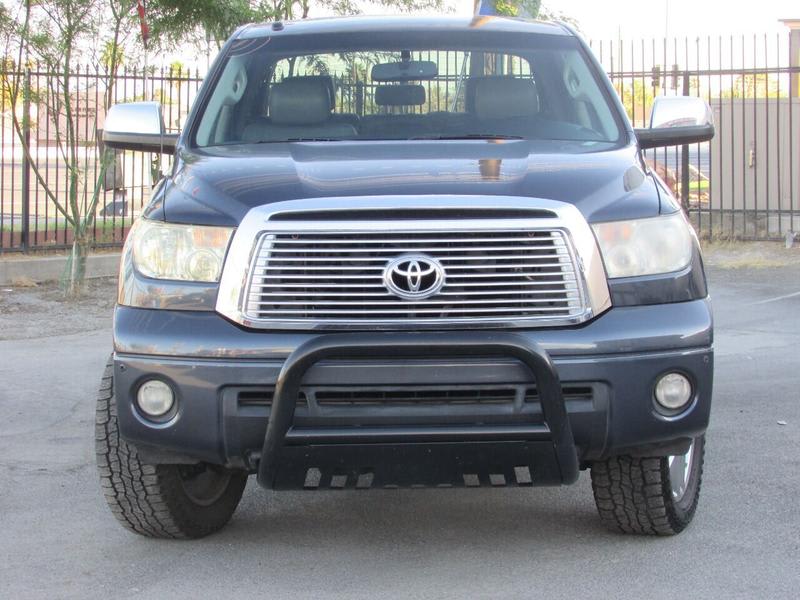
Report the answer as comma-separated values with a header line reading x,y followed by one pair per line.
x,y
337,278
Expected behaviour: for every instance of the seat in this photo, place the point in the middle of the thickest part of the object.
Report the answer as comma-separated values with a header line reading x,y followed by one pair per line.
x,y
511,106
389,125
503,104
341,117
299,107
503,97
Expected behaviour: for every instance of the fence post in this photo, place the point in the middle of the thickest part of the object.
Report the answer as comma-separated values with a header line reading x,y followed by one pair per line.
x,y
25,231
685,179
360,98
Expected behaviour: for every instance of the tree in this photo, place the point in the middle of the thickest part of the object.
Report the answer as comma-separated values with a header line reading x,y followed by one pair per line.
x,y
532,9
515,8
176,69
637,98
177,21
204,21
759,85
55,34
113,54
549,14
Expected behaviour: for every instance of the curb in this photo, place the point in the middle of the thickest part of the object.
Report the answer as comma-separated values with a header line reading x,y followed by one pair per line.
x,y
51,268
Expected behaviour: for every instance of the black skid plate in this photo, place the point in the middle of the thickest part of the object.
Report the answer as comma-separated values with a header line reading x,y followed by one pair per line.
x,y
476,464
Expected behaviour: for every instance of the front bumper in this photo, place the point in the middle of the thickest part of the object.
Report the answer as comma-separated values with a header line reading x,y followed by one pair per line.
x,y
218,368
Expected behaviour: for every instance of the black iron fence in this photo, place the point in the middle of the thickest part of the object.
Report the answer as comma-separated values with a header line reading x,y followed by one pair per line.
x,y
745,184
34,184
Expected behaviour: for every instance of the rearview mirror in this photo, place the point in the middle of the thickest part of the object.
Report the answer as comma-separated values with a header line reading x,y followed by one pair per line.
x,y
677,121
138,126
407,70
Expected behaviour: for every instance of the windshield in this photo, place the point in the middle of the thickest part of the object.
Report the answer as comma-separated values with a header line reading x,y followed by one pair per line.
x,y
299,88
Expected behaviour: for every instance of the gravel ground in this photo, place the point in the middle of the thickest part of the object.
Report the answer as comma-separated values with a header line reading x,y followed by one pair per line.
x,y
751,255
41,310
58,540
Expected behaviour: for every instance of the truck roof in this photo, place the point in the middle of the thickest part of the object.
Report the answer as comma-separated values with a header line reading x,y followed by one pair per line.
x,y
366,24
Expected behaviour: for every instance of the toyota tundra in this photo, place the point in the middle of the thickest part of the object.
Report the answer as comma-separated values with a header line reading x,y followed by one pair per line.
x,y
403,252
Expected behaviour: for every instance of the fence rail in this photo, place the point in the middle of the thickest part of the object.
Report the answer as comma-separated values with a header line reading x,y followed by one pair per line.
x,y
745,184
29,219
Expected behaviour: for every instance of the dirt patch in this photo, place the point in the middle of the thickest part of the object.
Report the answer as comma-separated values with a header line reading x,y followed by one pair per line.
x,y
750,255
42,311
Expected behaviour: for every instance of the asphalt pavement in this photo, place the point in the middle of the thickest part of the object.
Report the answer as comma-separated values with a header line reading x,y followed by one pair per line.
x,y
58,539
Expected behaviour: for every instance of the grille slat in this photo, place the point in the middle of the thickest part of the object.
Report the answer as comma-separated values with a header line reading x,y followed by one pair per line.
x,y
402,249
338,278
533,284
545,253
318,294
413,311
450,278
380,267
412,305
406,240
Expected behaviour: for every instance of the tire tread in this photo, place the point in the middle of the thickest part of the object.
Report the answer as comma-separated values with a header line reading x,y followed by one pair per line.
x,y
148,499
633,495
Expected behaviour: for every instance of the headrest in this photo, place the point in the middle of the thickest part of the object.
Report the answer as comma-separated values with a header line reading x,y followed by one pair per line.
x,y
326,79
399,95
299,101
501,97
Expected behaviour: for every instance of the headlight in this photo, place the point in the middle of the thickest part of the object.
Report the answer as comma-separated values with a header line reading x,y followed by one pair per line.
x,y
179,252
645,246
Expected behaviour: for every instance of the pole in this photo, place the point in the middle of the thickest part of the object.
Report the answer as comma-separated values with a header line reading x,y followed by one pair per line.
x,y
26,163
685,179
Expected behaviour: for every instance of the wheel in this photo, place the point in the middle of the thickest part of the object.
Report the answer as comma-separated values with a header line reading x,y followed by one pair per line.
x,y
159,501
649,496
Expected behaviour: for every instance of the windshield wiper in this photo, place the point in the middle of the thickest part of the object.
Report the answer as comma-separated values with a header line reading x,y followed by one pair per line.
x,y
470,136
313,139
286,141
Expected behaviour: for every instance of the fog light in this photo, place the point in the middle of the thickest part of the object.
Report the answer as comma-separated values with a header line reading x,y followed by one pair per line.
x,y
673,391
155,398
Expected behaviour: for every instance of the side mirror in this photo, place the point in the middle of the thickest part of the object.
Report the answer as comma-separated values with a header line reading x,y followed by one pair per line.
x,y
677,121
138,126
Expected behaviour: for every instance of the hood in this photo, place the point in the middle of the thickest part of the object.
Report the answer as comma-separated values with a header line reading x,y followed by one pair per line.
x,y
218,186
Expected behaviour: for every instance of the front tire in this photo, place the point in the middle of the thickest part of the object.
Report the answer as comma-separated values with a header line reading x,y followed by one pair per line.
x,y
649,496
159,501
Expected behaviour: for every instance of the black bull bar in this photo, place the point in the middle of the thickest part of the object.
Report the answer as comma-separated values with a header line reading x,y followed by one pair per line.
x,y
417,455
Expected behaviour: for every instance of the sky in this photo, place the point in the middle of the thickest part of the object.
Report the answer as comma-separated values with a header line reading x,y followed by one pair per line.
x,y
647,19
608,19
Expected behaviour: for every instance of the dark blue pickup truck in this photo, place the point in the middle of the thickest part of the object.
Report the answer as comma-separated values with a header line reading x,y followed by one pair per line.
x,y
400,252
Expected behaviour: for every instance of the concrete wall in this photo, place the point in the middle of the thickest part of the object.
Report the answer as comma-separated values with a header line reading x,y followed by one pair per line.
x,y
14,269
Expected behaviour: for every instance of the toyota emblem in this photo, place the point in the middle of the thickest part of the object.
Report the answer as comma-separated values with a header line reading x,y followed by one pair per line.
x,y
414,276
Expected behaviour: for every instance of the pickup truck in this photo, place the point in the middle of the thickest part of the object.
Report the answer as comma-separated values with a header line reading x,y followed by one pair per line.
x,y
402,252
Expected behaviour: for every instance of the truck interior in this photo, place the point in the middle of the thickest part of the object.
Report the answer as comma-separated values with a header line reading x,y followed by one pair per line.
x,y
267,96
